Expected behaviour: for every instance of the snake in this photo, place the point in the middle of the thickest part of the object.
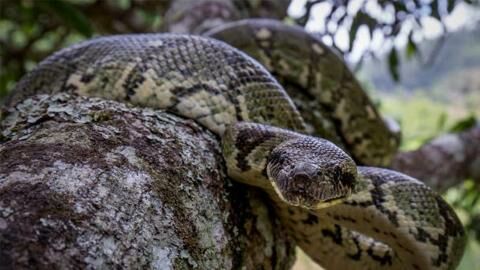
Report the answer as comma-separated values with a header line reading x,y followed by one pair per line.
x,y
341,213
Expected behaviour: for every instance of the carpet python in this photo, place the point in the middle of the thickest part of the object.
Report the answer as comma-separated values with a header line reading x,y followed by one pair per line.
x,y
340,214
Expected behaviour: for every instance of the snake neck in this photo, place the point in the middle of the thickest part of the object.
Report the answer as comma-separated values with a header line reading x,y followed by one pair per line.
x,y
310,70
246,148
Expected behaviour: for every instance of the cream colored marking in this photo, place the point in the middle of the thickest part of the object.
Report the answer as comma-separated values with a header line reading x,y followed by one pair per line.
x,y
222,117
379,251
264,44
157,92
283,65
303,78
74,80
364,245
263,33
325,96
118,90
258,162
332,202
251,177
195,105
90,71
370,112
317,48
362,192
150,88
279,193
389,202
212,124
243,107
199,105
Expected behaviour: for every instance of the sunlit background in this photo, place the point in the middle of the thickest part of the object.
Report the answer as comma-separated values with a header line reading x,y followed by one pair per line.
x,y
464,17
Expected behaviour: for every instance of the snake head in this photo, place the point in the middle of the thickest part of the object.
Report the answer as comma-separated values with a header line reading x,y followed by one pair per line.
x,y
311,174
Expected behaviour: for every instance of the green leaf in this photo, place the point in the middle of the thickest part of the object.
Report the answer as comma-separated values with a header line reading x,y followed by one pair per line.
x,y
353,31
464,124
393,64
398,5
450,5
361,18
70,15
435,13
411,48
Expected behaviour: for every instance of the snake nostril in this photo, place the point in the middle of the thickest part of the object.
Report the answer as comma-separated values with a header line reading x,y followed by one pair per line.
x,y
301,181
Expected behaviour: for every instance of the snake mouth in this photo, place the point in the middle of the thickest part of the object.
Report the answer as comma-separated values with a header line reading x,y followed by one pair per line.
x,y
329,202
319,205
310,203
339,195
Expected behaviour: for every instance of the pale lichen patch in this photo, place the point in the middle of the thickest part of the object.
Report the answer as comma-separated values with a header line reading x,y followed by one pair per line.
x,y
163,257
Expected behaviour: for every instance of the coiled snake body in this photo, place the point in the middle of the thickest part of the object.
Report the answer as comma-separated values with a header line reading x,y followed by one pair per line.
x,y
340,214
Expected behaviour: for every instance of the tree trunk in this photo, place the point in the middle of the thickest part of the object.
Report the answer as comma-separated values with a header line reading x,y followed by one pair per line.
x,y
89,183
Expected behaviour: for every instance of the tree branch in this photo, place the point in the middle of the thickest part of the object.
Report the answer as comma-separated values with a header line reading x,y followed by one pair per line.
x,y
445,161
88,183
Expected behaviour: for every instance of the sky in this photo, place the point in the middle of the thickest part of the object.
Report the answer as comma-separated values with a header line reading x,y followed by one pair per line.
x,y
461,17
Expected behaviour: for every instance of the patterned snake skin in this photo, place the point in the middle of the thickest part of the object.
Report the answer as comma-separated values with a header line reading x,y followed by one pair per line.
x,y
303,64
340,214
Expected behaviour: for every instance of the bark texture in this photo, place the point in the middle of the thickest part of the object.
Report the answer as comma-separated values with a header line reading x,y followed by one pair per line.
x,y
89,183
445,161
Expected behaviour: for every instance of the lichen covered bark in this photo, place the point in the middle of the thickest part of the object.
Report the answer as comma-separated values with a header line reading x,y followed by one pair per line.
x,y
89,183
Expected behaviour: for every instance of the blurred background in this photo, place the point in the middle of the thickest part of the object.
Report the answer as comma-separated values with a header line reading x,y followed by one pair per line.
x,y
418,59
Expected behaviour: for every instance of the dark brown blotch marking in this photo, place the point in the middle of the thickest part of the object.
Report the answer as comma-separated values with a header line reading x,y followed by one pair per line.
x,y
245,143
335,235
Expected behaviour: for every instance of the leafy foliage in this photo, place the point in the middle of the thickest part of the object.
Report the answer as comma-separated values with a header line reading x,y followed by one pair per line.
x,y
69,15
464,124
392,20
30,30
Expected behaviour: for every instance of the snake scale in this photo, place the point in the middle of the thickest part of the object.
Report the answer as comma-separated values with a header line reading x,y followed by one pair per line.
x,y
342,215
